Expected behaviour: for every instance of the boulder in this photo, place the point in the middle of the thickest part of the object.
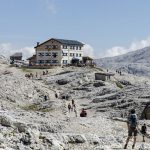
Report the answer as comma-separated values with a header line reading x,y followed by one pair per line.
x,y
20,126
62,82
75,139
98,84
26,139
125,82
6,121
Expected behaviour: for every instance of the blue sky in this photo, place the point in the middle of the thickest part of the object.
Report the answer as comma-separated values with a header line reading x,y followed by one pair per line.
x,y
108,27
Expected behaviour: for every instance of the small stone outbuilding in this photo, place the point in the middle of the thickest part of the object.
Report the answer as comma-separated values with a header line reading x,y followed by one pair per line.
x,y
87,60
103,76
16,56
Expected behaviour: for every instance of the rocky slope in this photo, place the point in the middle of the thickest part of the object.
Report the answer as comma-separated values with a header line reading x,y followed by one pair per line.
x,y
29,121
136,62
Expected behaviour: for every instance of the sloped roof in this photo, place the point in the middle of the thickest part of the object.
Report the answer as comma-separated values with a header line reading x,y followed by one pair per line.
x,y
63,41
69,42
16,55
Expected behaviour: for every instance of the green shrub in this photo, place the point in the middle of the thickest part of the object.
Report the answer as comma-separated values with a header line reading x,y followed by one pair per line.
x,y
119,85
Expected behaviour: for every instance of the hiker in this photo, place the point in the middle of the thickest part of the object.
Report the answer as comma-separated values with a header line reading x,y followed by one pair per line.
x,y
36,75
56,95
31,75
132,124
43,72
75,111
45,98
69,107
83,113
73,105
143,131
120,73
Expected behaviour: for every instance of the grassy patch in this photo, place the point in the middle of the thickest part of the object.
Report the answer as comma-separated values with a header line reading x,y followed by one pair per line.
x,y
99,69
35,107
26,70
119,85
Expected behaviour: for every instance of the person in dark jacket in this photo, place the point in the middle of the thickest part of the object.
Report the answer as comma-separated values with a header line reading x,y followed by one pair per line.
x,y
143,131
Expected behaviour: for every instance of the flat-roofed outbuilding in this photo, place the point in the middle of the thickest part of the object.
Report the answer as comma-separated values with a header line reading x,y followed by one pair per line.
x,y
103,76
16,56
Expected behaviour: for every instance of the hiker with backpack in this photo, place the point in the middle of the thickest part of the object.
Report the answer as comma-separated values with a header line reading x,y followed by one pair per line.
x,y
132,124
143,131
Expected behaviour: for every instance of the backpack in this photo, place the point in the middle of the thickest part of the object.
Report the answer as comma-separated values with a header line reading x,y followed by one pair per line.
x,y
133,120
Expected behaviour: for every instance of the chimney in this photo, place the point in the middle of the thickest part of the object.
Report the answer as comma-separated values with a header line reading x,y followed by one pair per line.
x,y
38,43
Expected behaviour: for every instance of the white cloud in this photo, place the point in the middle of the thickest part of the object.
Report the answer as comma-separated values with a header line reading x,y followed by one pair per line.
x,y
88,50
7,49
50,5
117,50
27,52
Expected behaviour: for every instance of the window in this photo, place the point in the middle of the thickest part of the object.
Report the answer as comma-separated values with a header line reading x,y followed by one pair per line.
x,y
70,47
55,46
80,48
73,47
40,54
47,54
77,55
64,61
77,48
48,46
41,61
54,55
47,61
54,61
65,54
80,55
64,46
73,54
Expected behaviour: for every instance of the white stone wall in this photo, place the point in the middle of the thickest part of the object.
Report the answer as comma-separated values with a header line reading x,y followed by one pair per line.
x,y
71,54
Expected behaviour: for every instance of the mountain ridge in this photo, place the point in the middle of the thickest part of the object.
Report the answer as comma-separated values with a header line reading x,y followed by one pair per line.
x,y
136,62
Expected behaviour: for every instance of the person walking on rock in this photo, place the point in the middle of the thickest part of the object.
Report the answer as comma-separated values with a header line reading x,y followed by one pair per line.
x,y
56,95
69,107
36,75
45,98
73,105
75,111
143,131
132,124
